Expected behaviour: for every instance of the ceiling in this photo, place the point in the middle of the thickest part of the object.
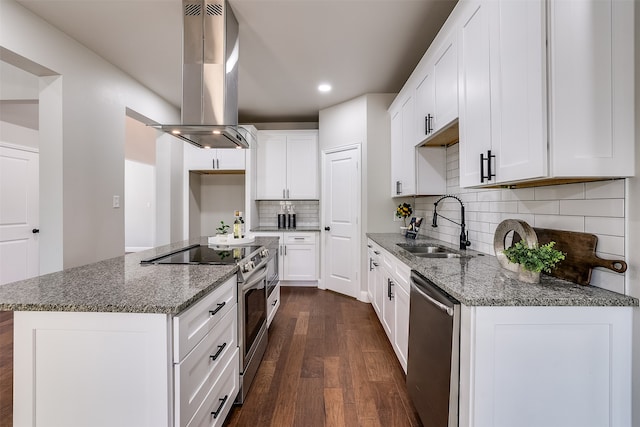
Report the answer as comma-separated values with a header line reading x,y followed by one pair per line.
x,y
287,47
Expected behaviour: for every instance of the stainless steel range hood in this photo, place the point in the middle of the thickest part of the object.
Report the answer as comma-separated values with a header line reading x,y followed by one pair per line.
x,y
209,76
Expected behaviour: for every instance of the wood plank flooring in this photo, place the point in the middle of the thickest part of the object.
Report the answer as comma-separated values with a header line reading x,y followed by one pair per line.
x,y
328,363
6,368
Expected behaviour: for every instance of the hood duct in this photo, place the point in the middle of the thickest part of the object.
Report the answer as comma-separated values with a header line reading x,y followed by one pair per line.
x,y
209,76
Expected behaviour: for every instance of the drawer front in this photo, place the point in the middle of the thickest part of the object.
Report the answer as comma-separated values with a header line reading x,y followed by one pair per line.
x,y
220,398
200,370
193,324
273,303
293,238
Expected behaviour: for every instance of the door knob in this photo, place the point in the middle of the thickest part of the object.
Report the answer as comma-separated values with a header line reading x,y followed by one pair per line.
x,y
327,229
35,231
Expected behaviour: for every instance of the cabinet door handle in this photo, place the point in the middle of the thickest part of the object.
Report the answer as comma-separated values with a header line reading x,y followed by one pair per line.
x,y
283,193
217,309
398,187
287,193
376,252
389,285
213,161
220,348
489,174
298,238
375,264
370,264
274,302
280,250
285,250
222,402
427,124
218,163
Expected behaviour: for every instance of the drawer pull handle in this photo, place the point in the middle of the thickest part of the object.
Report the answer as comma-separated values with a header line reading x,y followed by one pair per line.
x,y
222,402
220,305
220,348
274,302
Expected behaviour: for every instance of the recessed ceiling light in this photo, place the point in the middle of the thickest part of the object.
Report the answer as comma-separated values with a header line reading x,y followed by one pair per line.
x,y
175,132
216,132
324,87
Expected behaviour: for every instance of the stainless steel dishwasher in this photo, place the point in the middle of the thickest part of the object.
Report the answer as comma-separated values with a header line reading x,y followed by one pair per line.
x,y
433,366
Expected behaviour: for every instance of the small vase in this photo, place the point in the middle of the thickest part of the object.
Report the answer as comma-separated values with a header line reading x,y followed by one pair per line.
x,y
403,230
528,276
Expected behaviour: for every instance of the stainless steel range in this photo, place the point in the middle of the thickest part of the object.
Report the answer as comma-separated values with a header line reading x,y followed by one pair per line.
x,y
254,263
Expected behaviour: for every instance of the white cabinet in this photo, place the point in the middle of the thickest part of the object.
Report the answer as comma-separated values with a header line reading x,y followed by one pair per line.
x,y
298,255
287,165
517,126
591,87
437,92
214,159
139,369
403,167
573,362
206,358
389,289
502,92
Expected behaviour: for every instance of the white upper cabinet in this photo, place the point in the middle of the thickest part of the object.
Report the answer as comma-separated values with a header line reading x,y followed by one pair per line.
x,y
545,94
502,95
287,165
214,159
403,152
437,91
591,99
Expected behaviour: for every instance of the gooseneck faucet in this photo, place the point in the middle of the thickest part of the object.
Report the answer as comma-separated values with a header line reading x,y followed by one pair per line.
x,y
464,242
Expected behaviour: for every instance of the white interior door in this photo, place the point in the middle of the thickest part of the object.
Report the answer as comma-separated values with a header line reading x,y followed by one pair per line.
x,y
19,253
341,198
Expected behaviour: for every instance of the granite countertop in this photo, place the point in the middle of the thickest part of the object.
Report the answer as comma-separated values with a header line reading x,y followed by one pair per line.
x,y
122,284
478,279
275,228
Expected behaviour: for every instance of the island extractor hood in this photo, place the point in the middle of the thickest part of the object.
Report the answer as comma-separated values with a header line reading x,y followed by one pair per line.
x,y
209,76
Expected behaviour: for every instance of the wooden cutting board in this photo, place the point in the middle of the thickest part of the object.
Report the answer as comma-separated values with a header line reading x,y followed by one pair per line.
x,y
580,250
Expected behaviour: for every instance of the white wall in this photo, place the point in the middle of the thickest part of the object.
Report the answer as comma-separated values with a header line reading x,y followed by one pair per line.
x,y
94,97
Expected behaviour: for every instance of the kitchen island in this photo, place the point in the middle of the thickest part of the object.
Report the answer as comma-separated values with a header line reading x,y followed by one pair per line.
x,y
548,354
111,343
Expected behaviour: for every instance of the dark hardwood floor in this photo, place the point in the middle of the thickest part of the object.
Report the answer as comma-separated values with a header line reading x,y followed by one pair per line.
x,y
6,368
328,363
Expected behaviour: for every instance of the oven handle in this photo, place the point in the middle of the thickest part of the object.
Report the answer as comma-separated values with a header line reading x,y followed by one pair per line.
x,y
255,279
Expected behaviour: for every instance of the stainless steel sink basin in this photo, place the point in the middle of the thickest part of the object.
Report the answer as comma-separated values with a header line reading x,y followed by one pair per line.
x,y
430,251
424,249
438,255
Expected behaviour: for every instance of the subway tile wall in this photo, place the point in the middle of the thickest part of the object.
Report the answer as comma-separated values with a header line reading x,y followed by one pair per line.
x,y
307,212
594,207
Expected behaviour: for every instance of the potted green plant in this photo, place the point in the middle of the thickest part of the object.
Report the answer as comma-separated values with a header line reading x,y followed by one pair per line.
x,y
532,260
222,229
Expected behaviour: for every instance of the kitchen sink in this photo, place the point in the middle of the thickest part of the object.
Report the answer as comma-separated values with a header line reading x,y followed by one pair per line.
x,y
430,251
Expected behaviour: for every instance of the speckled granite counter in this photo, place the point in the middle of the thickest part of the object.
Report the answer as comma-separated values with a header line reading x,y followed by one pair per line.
x,y
121,284
305,228
478,279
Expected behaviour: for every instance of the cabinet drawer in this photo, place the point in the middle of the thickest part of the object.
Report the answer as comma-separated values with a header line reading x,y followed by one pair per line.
x,y
273,303
220,398
193,324
198,372
299,238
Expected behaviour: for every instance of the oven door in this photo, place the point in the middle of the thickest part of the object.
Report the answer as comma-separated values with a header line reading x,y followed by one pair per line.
x,y
252,314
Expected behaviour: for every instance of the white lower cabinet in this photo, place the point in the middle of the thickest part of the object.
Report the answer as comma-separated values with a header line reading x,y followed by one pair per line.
x,y
273,303
205,357
298,255
545,366
78,369
389,288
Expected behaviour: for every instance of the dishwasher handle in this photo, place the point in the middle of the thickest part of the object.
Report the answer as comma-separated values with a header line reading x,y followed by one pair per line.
x,y
441,306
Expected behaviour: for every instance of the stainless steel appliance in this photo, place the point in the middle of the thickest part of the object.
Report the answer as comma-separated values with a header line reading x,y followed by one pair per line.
x,y
433,366
253,276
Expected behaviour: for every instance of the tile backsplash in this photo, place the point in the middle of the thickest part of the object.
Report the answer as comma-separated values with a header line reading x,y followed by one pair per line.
x,y
594,207
307,212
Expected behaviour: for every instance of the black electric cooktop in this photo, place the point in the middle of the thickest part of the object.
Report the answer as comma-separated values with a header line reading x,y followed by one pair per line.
x,y
203,254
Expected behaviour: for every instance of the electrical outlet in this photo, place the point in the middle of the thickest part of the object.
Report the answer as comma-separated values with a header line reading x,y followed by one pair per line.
x,y
116,201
